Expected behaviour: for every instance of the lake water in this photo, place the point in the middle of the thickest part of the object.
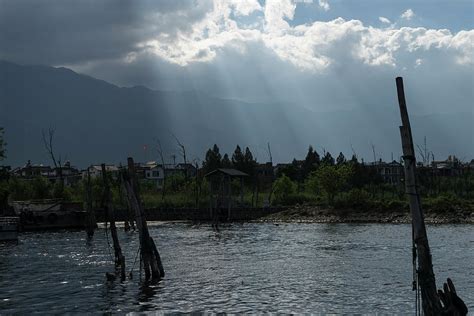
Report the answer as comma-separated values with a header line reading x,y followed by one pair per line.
x,y
251,267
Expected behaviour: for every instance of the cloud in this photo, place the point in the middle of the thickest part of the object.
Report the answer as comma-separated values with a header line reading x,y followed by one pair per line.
x,y
310,47
408,15
240,49
324,4
57,32
384,20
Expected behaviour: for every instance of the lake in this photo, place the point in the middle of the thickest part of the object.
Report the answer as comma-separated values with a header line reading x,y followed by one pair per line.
x,y
249,267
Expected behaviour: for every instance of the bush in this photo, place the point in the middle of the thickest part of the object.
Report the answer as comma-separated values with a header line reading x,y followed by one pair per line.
x,y
330,180
355,198
298,198
446,202
283,188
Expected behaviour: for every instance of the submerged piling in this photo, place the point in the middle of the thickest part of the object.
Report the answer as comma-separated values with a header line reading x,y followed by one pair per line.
x,y
149,254
119,257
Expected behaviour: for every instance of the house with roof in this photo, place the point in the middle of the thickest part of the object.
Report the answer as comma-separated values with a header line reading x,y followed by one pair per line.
x,y
390,172
29,171
95,171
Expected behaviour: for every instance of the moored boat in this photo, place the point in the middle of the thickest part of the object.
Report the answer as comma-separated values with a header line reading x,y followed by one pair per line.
x,y
9,227
49,214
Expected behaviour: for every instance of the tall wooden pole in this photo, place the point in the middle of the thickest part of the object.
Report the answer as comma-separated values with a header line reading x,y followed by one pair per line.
x,y
430,300
149,253
90,214
119,258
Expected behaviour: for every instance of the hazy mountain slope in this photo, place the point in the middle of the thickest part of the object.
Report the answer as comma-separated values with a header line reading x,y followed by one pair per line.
x,y
97,121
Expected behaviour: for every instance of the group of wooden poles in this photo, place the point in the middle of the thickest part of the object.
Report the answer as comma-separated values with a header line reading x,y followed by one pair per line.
x,y
149,255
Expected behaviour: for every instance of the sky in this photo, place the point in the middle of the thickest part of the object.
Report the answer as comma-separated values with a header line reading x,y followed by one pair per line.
x,y
323,55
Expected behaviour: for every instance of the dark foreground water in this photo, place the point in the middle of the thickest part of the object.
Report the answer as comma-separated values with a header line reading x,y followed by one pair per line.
x,y
290,268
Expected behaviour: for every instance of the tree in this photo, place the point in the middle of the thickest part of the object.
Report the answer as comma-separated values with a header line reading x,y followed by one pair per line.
x,y
354,159
340,159
213,159
311,162
327,159
183,154
283,188
2,145
249,162
238,158
48,141
332,179
160,153
226,163
40,188
289,170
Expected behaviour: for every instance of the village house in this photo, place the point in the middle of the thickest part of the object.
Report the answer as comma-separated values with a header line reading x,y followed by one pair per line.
x,y
96,171
70,174
29,171
155,172
188,169
447,168
390,172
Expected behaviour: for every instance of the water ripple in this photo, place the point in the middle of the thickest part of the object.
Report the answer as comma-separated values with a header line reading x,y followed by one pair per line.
x,y
246,268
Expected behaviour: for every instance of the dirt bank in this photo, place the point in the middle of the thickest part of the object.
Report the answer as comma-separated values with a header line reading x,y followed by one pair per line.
x,y
316,214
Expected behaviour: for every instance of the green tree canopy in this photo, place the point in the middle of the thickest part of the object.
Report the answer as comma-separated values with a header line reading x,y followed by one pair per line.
x,y
226,163
249,162
311,162
213,159
340,160
327,159
331,179
238,159
283,188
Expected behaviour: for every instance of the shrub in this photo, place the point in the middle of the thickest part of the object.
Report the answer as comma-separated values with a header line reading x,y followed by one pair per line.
x,y
283,188
330,180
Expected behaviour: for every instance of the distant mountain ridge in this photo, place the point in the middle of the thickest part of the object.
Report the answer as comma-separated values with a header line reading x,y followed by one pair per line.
x,y
99,122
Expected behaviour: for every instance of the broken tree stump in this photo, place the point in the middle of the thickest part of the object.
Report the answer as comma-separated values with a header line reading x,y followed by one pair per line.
x,y
90,213
149,254
119,258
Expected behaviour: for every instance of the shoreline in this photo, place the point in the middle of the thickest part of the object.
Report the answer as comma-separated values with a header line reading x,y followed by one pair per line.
x,y
316,214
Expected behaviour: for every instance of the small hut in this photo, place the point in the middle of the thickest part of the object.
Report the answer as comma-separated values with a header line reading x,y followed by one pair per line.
x,y
220,188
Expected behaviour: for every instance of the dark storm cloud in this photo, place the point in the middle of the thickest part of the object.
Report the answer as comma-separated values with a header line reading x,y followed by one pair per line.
x,y
58,32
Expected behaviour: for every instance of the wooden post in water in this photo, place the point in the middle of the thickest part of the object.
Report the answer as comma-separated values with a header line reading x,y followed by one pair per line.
x,y
430,300
149,253
90,214
119,258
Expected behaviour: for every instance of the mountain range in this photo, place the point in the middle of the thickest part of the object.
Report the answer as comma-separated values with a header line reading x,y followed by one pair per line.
x,y
96,121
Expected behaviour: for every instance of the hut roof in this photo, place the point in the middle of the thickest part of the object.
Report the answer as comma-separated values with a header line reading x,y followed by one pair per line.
x,y
229,172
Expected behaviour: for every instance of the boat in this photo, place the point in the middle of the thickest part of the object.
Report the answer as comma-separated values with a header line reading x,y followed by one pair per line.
x,y
9,227
49,214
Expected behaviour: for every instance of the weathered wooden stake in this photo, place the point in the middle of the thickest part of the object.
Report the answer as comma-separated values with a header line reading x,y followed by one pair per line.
x,y
119,258
430,300
149,253
90,214
126,223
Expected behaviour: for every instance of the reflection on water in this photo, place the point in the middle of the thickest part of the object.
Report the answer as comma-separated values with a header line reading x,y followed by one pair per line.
x,y
289,268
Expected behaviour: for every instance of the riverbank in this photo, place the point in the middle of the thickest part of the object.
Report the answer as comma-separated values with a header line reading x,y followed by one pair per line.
x,y
317,214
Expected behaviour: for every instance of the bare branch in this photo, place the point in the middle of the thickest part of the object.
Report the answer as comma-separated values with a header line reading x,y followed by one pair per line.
x,y
182,148
421,152
159,149
48,144
270,153
373,151
353,151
